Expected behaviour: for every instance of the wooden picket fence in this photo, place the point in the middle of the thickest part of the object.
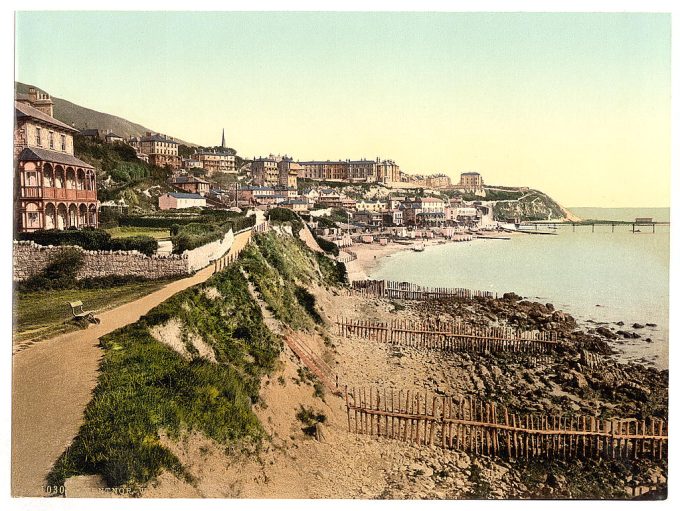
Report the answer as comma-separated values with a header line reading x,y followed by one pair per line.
x,y
449,336
480,427
348,256
409,291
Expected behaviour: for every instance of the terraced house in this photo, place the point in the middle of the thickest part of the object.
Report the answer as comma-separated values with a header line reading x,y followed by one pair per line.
x,y
161,150
52,188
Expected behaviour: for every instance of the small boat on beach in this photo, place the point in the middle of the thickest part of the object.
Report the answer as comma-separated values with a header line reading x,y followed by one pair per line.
x,y
418,247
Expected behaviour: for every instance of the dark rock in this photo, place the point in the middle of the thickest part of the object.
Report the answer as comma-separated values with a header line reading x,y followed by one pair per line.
x,y
648,339
650,324
605,332
624,334
620,323
638,325
512,297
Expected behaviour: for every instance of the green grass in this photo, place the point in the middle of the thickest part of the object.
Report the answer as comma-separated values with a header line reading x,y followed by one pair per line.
x,y
145,387
127,232
41,314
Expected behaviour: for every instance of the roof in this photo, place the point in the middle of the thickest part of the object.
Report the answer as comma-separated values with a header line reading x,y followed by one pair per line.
x,y
291,202
470,174
91,132
158,138
187,179
111,135
185,195
429,199
40,154
23,111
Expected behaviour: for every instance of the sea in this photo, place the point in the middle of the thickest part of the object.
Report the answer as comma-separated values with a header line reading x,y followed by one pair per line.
x,y
599,277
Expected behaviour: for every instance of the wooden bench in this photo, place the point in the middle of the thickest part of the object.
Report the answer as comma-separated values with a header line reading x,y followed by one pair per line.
x,y
79,313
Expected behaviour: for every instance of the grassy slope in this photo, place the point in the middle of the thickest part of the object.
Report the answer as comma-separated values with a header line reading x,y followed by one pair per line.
x,y
43,314
145,387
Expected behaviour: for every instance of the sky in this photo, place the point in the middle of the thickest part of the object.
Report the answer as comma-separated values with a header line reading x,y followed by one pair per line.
x,y
576,105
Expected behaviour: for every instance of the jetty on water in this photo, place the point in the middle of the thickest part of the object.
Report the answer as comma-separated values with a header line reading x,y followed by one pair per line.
x,y
638,222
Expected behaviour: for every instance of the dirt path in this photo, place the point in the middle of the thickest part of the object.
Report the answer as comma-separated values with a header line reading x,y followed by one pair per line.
x,y
52,382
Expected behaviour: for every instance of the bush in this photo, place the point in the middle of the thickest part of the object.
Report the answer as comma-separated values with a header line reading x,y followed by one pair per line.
x,y
308,302
144,244
58,274
327,246
91,239
194,235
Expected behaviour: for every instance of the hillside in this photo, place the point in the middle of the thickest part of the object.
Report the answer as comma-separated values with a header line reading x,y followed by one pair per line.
x,y
82,117
240,387
526,204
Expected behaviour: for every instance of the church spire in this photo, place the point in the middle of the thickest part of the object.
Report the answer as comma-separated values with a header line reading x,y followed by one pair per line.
x,y
223,141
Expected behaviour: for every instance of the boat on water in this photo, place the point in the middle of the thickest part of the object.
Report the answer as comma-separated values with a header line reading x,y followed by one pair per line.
x,y
418,247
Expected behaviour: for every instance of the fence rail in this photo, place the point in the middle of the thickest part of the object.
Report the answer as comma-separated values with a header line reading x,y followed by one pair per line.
x,y
449,336
348,257
410,291
480,427
313,362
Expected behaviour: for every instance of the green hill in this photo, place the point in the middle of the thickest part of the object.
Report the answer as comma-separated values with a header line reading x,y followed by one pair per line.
x,y
82,118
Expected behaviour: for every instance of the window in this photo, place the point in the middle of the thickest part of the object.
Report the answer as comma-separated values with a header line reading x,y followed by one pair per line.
x,y
38,142
51,140
63,142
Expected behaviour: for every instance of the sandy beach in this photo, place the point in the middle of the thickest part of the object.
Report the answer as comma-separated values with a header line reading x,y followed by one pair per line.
x,y
369,254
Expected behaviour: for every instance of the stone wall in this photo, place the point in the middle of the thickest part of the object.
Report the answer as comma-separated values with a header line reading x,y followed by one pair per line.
x,y
30,259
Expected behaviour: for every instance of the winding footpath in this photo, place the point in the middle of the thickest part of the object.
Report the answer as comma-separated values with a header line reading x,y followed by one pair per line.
x,y
52,383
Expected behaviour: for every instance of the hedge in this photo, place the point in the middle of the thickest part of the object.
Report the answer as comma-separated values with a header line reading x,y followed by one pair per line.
x,y
167,222
90,239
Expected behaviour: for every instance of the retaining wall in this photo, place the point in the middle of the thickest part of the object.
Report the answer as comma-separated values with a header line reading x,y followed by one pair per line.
x,y
29,259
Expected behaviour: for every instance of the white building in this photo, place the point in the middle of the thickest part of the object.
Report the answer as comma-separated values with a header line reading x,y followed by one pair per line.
x,y
180,201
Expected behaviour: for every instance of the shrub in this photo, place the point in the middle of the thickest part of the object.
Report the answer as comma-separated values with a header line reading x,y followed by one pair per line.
x,y
286,215
59,273
91,239
144,244
327,246
308,302
310,418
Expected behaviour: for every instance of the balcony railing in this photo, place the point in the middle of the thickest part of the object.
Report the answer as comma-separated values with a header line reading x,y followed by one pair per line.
x,y
38,192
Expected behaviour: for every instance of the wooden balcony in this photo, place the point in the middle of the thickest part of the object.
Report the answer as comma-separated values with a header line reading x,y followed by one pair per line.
x,y
70,194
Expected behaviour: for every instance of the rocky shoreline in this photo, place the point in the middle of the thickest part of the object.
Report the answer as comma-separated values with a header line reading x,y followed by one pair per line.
x,y
581,377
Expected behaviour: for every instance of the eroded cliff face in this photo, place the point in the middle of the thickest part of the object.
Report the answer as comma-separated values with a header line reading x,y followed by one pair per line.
x,y
533,205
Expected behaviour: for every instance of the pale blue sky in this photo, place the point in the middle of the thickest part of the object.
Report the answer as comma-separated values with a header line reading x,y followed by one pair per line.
x,y
577,105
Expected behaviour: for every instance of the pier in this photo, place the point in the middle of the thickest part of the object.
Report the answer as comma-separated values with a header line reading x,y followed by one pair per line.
x,y
638,222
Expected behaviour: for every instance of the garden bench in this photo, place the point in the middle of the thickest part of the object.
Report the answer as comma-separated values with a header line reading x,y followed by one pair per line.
x,y
79,313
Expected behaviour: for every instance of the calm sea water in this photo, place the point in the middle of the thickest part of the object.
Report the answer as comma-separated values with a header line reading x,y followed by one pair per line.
x,y
595,276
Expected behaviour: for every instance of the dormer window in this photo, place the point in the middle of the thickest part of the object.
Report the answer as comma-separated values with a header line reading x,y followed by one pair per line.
x,y
38,142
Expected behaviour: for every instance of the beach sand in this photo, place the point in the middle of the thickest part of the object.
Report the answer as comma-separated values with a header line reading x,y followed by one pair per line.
x,y
369,255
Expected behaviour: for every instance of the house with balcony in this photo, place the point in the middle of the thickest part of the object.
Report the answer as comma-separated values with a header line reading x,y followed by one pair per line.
x,y
52,188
